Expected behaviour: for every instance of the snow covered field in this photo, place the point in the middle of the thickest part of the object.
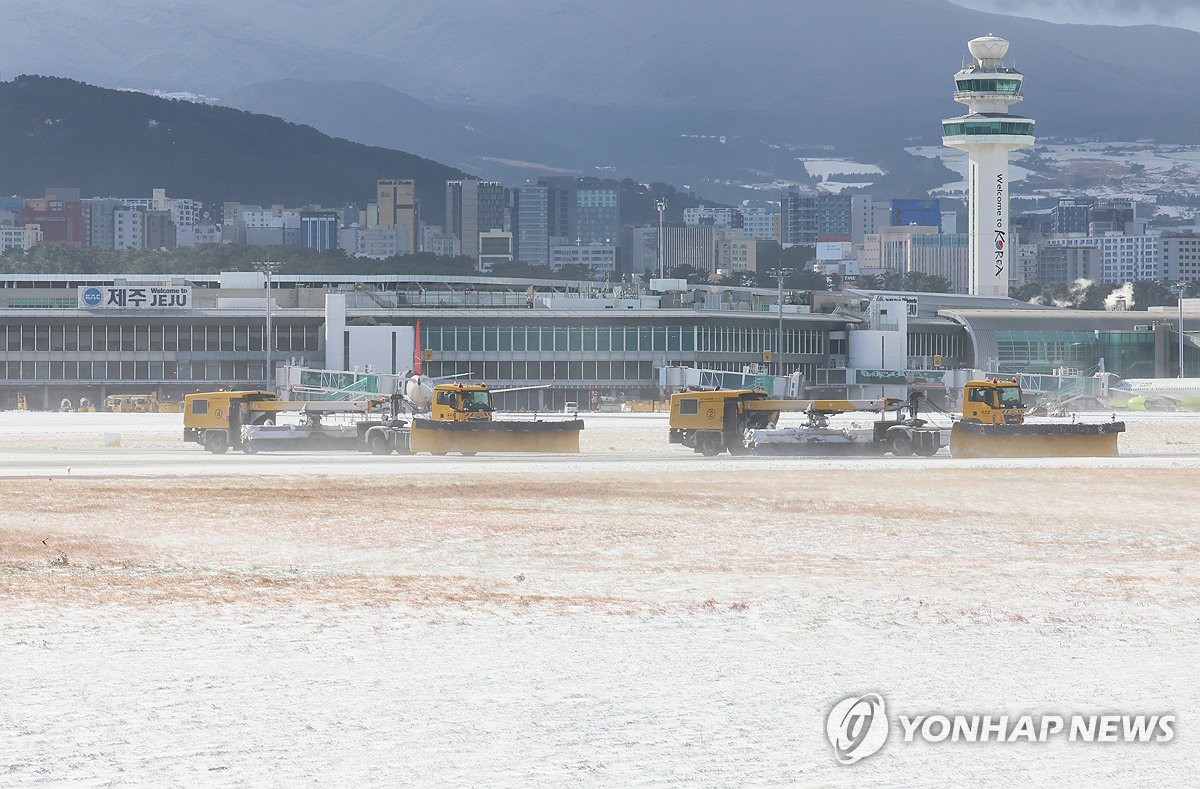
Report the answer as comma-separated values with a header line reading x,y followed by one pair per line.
x,y
1140,171
634,615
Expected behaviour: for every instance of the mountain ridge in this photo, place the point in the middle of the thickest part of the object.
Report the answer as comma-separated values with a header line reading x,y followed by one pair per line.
x,y
57,131
623,87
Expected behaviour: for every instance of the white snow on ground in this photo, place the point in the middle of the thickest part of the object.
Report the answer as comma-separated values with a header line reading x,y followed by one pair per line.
x,y
1118,170
635,615
956,160
837,187
826,168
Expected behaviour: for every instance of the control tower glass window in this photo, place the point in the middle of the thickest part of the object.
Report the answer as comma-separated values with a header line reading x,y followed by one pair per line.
x,y
989,85
956,128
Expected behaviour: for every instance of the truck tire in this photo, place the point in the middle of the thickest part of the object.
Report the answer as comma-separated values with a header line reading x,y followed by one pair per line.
x,y
902,445
742,447
216,443
928,450
379,444
248,448
709,445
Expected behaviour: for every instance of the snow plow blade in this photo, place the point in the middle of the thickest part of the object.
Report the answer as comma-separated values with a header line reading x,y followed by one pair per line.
x,y
975,440
440,437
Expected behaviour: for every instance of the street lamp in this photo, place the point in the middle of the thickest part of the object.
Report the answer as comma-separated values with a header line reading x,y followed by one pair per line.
x,y
779,274
268,267
661,204
1180,289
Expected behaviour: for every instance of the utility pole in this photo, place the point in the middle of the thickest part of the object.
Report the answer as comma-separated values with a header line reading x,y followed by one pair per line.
x,y
661,204
268,268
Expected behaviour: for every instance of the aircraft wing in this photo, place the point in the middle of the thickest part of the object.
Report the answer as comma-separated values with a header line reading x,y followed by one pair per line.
x,y
521,388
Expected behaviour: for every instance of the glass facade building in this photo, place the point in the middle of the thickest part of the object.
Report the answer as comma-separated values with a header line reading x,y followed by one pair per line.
x,y
570,336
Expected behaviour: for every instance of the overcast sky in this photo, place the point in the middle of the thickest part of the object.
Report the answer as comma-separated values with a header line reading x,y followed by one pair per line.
x,y
1178,13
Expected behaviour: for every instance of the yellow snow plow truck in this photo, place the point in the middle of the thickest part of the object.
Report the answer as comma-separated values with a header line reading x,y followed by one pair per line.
x,y
993,426
746,422
460,420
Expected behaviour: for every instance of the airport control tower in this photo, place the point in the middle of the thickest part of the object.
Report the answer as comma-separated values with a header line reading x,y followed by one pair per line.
x,y
988,133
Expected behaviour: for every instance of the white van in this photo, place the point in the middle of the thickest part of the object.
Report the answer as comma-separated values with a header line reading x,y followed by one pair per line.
x,y
570,407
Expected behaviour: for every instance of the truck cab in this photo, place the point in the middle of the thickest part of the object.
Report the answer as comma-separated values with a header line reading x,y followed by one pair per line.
x,y
710,422
461,403
995,401
214,419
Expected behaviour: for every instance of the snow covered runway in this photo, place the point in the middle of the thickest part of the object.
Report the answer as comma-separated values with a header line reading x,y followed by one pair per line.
x,y
635,615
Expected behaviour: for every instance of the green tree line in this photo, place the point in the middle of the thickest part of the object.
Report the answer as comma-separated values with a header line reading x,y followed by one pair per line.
x,y
215,258
1092,296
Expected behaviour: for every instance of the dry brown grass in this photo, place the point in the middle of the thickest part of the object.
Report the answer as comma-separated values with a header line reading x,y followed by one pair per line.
x,y
684,541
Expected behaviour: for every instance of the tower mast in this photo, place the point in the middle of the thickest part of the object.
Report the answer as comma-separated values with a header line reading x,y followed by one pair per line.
x,y
988,133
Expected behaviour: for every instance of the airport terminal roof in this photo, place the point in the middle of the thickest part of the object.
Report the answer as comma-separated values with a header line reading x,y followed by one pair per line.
x,y
983,324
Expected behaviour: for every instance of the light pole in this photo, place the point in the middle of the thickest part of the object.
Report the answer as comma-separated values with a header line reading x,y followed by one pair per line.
x,y
661,204
1180,289
779,274
268,267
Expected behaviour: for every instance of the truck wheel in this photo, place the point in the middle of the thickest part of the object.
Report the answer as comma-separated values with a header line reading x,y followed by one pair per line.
x,y
744,447
928,450
902,445
709,445
216,443
248,448
467,454
379,445
437,454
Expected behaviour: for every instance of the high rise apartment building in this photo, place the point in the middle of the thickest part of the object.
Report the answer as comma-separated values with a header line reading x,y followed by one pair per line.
x,y
1123,258
1179,256
472,207
319,230
396,204
1071,215
807,219
99,216
531,224
689,246
159,230
129,229
759,223
582,210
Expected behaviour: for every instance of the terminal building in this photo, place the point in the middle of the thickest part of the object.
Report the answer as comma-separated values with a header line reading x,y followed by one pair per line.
x,y
72,336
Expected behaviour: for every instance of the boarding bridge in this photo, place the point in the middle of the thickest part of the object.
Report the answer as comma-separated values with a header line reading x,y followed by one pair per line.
x,y
306,383
752,376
